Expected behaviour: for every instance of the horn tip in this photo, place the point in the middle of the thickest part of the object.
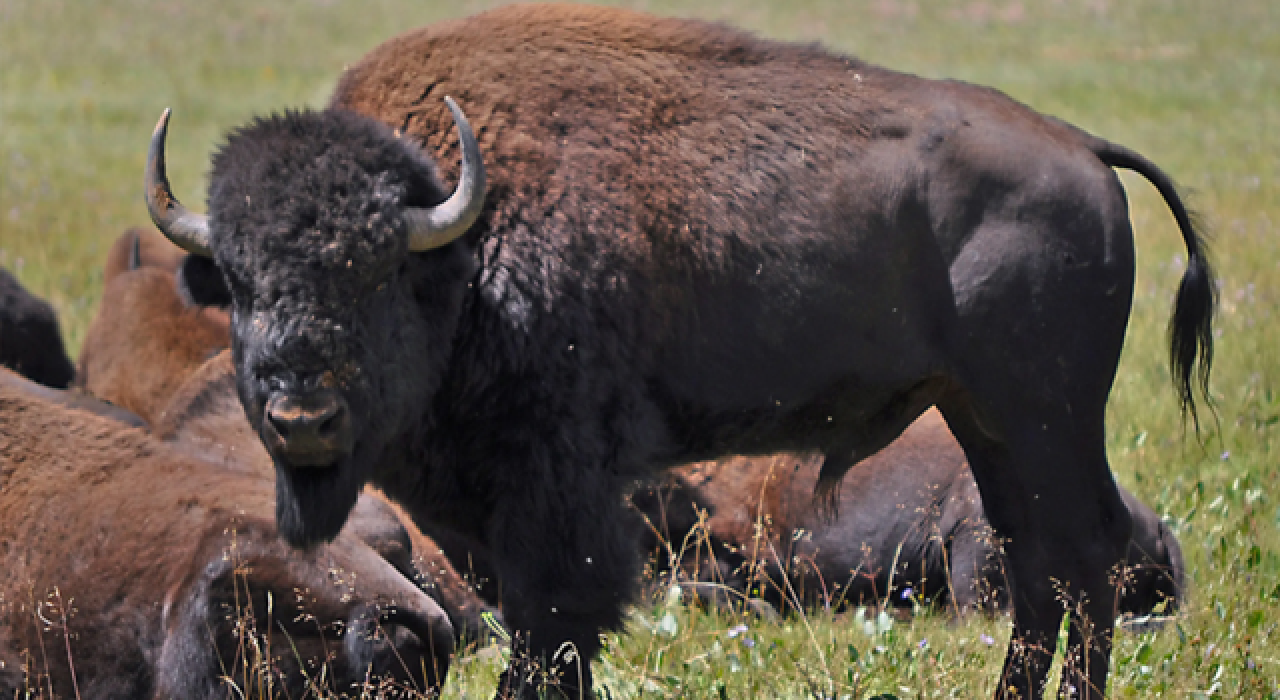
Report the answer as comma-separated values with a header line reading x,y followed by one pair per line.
x,y
163,122
453,107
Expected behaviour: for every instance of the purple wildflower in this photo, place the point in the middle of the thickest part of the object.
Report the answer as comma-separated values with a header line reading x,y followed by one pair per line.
x,y
748,642
906,592
987,639
736,630
923,643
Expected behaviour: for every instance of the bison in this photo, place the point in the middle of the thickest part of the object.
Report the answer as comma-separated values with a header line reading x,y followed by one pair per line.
x,y
205,415
695,243
30,341
133,570
142,247
147,349
146,338
71,398
910,529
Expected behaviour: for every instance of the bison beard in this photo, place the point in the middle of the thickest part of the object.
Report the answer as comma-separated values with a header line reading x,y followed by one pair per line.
x,y
312,505
696,243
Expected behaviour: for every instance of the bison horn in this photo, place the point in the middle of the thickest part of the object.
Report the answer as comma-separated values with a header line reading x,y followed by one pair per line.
x,y
186,229
442,224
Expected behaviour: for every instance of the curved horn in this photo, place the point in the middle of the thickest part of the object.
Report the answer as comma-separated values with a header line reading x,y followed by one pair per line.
x,y
442,224
187,230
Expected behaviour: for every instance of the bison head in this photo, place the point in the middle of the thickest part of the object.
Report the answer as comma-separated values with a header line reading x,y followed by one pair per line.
x,y
332,235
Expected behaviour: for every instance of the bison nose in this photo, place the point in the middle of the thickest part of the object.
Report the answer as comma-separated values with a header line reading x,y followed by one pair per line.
x,y
311,429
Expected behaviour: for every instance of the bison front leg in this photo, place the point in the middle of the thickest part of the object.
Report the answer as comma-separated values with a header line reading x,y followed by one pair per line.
x,y
568,562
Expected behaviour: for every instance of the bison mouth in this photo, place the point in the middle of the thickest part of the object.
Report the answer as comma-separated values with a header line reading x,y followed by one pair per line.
x,y
312,504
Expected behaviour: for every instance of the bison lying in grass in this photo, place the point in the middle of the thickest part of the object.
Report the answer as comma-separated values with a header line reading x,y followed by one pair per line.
x,y
909,528
146,339
205,416
696,243
134,570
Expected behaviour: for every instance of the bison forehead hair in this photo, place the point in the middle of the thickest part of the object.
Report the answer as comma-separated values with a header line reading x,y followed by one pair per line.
x,y
320,188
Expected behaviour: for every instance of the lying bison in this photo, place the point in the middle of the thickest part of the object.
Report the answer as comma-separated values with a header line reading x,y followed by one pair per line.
x,y
910,528
205,416
70,398
30,342
695,243
132,570
146,338
147,348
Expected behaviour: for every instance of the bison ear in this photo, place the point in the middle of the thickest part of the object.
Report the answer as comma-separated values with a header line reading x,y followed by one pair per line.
x,y
135,251
200,283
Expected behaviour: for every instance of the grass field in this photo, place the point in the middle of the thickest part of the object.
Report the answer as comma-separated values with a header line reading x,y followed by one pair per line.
x,y
1195,85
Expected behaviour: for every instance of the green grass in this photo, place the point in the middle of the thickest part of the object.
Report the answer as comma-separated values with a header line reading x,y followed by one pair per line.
x,y
1193,85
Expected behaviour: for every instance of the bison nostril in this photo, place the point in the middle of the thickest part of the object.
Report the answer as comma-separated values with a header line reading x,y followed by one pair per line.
x,y
310,428
333,423
281,426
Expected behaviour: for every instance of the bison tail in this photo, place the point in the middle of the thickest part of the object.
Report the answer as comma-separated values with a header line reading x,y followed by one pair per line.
x,y
1191,325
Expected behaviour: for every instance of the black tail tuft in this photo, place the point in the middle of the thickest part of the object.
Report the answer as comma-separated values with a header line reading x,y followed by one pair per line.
x,y
1191,326
1191,333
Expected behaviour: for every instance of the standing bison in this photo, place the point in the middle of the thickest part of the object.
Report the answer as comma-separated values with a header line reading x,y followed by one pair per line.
x,y
695,242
